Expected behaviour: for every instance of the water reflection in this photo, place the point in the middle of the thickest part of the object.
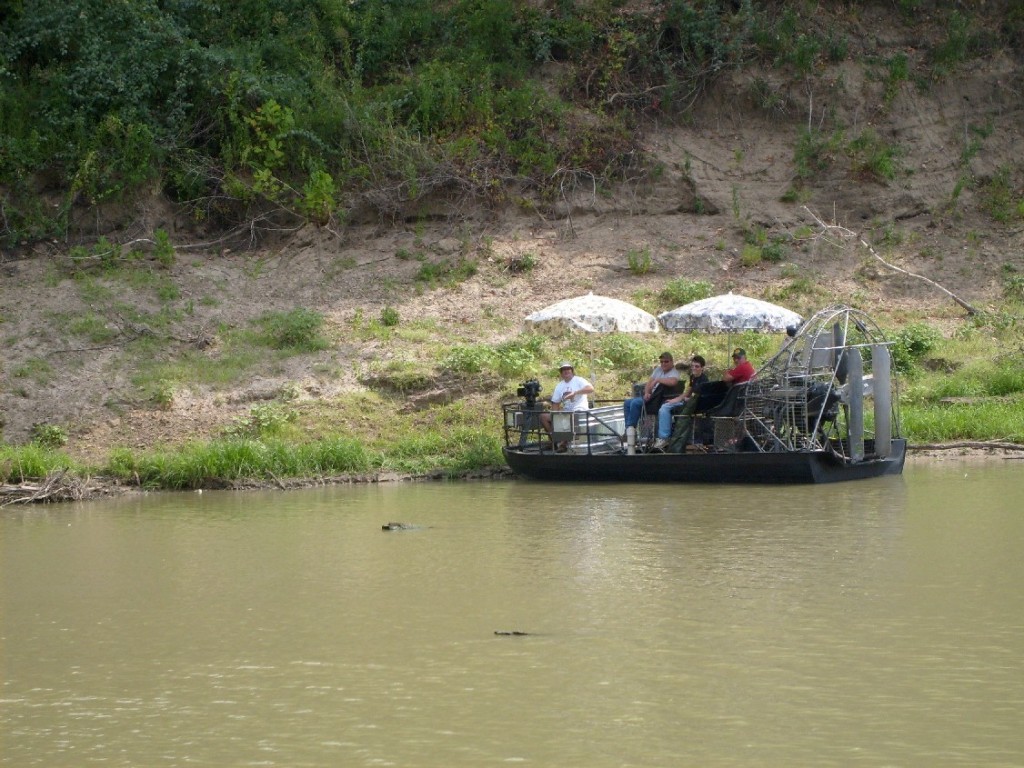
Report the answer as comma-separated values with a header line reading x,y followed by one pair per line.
x,y
874,623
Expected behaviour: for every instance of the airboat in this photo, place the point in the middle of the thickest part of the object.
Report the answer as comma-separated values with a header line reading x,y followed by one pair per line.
x,y
824,408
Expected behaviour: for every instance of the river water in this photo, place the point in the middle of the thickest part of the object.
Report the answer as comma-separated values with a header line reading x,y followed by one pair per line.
x,y
876,623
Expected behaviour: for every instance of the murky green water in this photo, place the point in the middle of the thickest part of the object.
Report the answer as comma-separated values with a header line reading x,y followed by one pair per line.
x,y
871,623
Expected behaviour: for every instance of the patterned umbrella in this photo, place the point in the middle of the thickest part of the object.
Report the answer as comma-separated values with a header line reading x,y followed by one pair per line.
x,y
593,314
729,313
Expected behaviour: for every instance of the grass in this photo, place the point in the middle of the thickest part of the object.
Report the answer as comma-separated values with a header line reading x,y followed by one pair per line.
x,y
32,461
200,465
193,367
935,423
35,369
272,337
449,440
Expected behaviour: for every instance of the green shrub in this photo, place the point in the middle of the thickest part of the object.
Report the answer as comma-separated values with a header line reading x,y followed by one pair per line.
x,y
761,246
682,291
960,44
930,422
521,263
445,272
623,350
870,155
401,376
49,435
750,256
518,357
1013,287
912,343
264,420
473,358
998,198
639,260
199,465
1008,379
35,368
815,152
298,330
898,71
775,250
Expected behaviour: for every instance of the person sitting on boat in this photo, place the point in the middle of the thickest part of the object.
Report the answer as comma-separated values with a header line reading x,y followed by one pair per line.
x,y
709,395
742,369
697,378
570,394
664,379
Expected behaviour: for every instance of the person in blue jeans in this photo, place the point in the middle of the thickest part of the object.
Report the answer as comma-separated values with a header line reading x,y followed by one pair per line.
x,y
670,406
664,375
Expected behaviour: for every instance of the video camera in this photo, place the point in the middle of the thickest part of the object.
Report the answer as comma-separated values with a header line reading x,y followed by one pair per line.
x,y
529,391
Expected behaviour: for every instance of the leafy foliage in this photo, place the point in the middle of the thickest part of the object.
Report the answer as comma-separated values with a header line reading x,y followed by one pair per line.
x,y
259,109
912,343
682,291
49,435
262,421
298,330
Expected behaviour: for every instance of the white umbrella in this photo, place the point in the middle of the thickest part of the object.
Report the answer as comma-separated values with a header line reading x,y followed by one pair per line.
x,y
592,314
729,313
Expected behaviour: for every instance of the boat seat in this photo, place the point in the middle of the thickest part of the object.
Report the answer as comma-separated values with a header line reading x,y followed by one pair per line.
x,y
716,405
732,404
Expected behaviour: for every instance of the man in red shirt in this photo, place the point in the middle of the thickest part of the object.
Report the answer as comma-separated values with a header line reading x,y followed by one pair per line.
x,y
741,370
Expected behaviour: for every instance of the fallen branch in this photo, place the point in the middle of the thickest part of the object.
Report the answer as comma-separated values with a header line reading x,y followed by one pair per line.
x,y
847,233
984,445
57,486
277,481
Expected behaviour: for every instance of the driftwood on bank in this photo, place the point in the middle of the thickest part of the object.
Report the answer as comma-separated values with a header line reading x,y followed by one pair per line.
x,y
993,445
57,486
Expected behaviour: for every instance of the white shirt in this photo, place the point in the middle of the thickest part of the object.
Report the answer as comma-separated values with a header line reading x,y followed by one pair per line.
x,y
576,402
660,375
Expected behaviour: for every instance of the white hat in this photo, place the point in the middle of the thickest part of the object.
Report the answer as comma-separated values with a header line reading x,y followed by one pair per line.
x,y
565,364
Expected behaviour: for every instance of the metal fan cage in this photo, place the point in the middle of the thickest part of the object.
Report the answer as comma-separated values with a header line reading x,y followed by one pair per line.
x,y
831,386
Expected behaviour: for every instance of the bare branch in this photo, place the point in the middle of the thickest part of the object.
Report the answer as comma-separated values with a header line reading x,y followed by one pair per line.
x,y
847,234
57,486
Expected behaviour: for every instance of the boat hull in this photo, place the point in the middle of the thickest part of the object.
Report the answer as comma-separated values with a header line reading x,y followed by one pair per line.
x,y
753,467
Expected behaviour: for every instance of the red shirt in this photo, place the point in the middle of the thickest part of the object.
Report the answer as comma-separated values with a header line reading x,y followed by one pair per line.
x,y
744,371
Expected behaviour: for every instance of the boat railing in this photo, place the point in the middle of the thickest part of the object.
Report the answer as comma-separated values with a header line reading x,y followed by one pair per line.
x,y
597,430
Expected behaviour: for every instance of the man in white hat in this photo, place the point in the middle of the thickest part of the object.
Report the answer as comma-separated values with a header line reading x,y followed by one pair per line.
x,y
570,395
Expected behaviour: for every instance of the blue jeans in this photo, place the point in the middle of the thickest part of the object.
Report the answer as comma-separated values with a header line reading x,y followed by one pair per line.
x,y
634,409
665,419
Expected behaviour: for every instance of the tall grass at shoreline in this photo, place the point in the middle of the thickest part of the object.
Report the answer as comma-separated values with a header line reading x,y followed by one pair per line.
x,y
200,465
29,462
938,422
